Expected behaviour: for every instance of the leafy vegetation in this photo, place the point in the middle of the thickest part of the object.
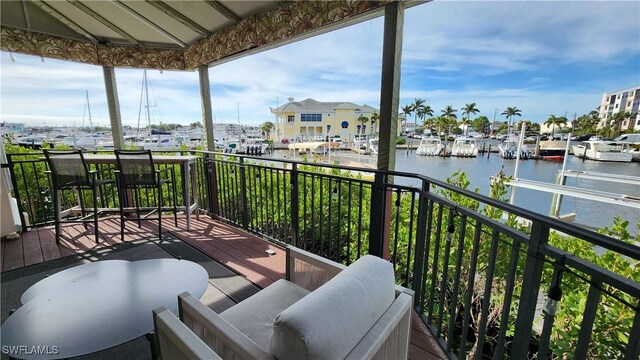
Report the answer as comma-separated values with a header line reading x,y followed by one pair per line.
x,y
464,257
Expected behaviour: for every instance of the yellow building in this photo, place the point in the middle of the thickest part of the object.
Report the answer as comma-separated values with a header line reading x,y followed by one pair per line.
x,y
310,119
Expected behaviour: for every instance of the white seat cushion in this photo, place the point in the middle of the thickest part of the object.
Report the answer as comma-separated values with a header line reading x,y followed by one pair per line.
x,y
254,316
330,321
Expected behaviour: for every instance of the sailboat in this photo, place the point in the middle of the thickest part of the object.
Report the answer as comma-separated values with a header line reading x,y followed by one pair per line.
x,y
157,140
85,141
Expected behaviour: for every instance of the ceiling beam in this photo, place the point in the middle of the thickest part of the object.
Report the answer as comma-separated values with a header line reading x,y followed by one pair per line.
x,y
65,20
104,21
223,10
150,23
26,14
176,15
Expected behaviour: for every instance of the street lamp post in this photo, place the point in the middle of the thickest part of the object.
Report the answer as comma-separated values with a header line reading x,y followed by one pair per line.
x,y
329,146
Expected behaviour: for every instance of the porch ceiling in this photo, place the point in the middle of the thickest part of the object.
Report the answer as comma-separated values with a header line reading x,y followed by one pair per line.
x,y
177,35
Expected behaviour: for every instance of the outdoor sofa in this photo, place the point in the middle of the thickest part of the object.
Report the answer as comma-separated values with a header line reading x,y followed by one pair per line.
x,y
323,310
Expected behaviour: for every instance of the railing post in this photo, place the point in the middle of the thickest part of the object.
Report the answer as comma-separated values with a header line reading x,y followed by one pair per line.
x,y
421,238
212,185
530,287
295,205
377,216
243,193
16,192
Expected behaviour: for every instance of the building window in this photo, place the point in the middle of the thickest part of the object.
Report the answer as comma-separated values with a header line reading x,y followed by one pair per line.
x,y
311,117
291,118
344,125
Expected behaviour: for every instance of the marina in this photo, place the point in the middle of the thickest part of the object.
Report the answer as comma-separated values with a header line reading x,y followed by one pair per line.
x,y
479,170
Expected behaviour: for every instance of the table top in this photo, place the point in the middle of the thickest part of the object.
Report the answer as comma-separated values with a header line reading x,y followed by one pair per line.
x,y
159,159
73,274
85,311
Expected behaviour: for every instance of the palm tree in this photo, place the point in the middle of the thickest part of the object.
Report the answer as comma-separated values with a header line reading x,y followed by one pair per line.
x,y
555,120
416,107
423,111
618,118
362,120
266,128
467,110
375,117
406,111
510,112
449,113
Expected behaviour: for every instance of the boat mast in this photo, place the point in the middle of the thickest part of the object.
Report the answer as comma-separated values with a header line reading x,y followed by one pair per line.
x,y
146,91
89,109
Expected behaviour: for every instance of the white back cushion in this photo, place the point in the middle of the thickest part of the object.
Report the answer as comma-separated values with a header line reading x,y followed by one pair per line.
x,y
330,321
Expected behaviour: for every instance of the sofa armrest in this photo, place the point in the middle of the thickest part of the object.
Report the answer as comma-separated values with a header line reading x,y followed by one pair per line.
x,y
175,341
388,338
308,270
225,339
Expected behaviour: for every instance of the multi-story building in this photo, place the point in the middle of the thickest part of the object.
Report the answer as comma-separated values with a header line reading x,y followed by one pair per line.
x,y
621,100
309,119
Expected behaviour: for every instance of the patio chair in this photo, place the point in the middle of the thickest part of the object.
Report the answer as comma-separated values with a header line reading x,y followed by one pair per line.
x,y
68,170
174,340
136,172
322,310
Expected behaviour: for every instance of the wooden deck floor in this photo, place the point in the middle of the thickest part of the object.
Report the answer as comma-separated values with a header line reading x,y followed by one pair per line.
x,y
238,250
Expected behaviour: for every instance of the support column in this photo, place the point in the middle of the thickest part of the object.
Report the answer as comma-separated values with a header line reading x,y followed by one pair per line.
x,y
390,84
379,233
205,98
114,106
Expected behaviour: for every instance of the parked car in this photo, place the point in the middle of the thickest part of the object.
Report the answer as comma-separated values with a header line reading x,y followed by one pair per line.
x,y
582,137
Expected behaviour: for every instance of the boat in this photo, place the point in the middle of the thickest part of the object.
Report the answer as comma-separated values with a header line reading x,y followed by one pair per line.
x,y
509,149
359,142
316,147
162,142
254,146
430,146
464,147
603,151
552,149
634,144
373,146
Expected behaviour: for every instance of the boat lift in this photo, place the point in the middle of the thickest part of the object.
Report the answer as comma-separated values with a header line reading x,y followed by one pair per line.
x,y
559,189
596,195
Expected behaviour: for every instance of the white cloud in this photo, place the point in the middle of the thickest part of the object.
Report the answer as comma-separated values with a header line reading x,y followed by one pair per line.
x,y
496,54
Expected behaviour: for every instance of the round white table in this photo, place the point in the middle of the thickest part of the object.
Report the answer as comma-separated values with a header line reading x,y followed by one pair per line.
x,y
96,306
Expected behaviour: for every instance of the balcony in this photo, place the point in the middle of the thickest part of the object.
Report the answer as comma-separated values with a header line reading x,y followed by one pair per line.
x,y
480,268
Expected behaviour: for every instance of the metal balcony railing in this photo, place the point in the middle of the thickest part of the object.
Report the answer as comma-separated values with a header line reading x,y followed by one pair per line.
x,y
482,269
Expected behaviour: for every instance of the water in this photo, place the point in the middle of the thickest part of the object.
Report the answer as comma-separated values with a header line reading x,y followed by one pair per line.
x,y
480,169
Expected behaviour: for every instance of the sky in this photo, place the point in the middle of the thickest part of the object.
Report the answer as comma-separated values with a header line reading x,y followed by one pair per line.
x,y
543,57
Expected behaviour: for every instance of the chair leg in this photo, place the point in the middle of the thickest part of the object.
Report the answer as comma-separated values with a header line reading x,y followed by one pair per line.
x,y
81,202
137,200
56,210
160,212
122,194
94,190
175,201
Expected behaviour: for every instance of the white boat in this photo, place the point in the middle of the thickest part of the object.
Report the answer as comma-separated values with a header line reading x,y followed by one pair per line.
x,y
86,142
359,142
430,146
253,146
464,147
509,150
634,144
603,151
317,147
161,143
373,145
